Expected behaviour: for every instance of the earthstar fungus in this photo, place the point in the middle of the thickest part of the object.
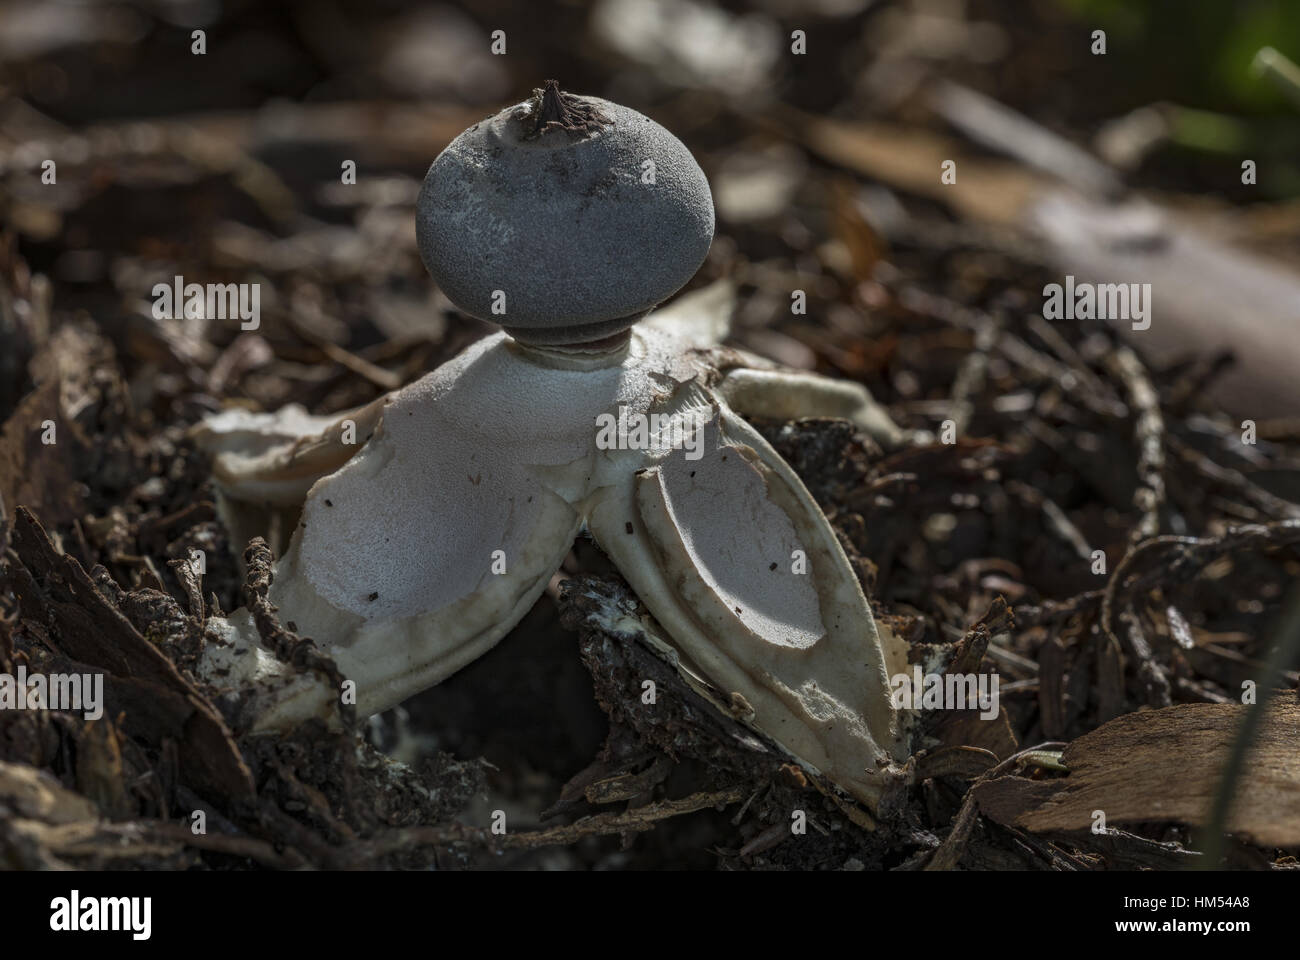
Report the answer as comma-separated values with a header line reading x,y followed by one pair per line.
x,y
419,548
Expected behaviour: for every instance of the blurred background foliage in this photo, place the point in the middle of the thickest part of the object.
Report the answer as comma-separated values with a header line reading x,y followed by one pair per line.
x,y
1197,58
1202,49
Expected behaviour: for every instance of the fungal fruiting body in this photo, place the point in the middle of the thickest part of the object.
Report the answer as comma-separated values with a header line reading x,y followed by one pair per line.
x,y
564,232
417,554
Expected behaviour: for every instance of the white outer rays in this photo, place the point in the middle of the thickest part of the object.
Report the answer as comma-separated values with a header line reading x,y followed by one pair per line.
x,y
391,569
712,556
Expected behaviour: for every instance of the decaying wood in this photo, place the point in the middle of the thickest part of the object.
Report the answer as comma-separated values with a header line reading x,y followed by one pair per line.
x,y
636,820
279,639
55,592
1164,765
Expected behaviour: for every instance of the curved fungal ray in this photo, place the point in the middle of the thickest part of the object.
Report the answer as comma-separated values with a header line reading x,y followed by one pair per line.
x,y
733,557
